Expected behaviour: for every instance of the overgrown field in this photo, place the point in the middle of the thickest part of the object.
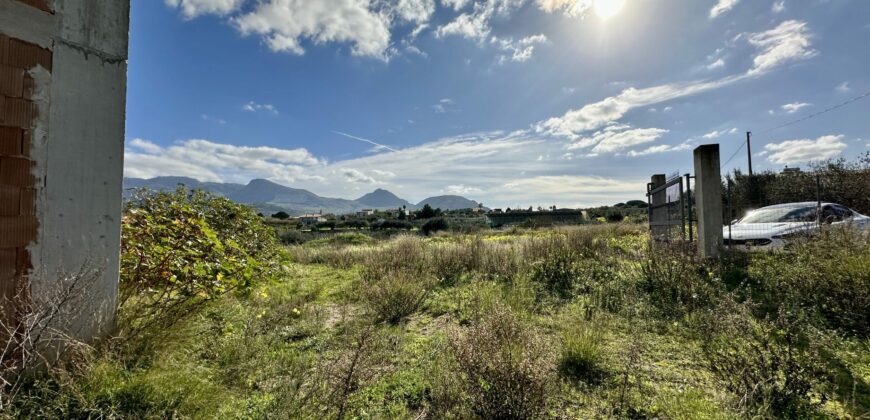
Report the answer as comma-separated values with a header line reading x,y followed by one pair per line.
x,y
585,322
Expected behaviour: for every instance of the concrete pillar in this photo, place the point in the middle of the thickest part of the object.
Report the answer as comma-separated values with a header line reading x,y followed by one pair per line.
x,y
63,74
708,200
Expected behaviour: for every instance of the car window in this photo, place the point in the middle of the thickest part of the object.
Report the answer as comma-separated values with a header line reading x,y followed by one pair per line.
x,y
844,212
781,215
830,214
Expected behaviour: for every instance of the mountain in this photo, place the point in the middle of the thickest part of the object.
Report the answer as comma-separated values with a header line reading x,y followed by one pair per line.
x,y
381,198
449,202
269,197
163,183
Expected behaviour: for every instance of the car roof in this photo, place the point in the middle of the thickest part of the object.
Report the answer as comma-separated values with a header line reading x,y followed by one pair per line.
x,y
795,205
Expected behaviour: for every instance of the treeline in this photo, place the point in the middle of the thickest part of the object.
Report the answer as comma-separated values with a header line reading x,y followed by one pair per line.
x,y
837,181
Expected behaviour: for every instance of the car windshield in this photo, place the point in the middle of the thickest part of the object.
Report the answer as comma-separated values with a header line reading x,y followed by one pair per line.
x,y
781,215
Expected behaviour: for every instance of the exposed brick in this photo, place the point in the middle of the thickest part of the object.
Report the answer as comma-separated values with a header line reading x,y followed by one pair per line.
x,y
26,55
4,48
11,81
16,171
27,201
17,112
8,265
24,264
25,143
10,141
17,231
10,200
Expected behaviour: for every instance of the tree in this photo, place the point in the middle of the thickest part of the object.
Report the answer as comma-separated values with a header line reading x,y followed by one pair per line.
x,y
427,212
281,215
434,225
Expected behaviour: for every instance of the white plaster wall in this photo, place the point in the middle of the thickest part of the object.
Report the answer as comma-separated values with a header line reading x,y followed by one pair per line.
x,y
78,146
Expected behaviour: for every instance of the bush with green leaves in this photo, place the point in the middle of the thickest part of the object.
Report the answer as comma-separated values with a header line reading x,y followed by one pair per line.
x,y
675,283
393,296
773,365
559,271
182,248
435,225
506,367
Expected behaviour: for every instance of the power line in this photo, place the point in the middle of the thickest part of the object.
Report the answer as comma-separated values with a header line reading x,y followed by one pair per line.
x,y
825,111
799,120
734,155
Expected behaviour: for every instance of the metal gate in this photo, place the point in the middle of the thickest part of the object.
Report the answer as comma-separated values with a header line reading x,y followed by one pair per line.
x,y
671,208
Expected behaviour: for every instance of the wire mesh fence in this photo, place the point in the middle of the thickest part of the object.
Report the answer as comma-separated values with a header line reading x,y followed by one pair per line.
x,y
766,210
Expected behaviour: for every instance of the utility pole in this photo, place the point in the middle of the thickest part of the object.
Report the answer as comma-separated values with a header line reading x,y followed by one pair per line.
x,y
749,150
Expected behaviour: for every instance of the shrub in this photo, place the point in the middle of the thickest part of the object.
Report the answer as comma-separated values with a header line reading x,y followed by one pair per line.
x,y
434,225
395,295
675,283
281,215
292,237
182,248
583,350
771,364
828,276
558,271
506,366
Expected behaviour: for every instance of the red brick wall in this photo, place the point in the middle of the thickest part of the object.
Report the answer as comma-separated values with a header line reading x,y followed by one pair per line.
x,y
18,222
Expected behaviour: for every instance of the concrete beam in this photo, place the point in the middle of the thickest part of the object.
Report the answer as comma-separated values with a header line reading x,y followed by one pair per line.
x,y
708,200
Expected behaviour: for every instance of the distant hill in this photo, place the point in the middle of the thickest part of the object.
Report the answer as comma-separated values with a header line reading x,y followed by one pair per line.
x,y
449,202
381,198
269,197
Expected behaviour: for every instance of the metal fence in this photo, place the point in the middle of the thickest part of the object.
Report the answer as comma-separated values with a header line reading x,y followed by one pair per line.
x,y
766,210
671,207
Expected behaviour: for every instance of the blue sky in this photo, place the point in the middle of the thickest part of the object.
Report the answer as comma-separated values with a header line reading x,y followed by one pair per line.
x,y
509,102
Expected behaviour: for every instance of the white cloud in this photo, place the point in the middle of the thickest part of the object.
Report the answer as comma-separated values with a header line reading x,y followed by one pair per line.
x,y
805,150
718,64
456,4
787,42
357,176
145,146
520,50
568,7
794,107
461,189
596,115
719,133
417,11
721,7
284,23
662,148
443,106
616,138
476,24
843,87
193,8
254,107
210,161
778,6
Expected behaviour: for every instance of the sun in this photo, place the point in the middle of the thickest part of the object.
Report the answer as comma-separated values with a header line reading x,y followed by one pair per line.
x,y
606,9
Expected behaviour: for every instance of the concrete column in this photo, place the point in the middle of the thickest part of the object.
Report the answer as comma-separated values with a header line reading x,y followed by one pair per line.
x,y
708,200
64,68
658,214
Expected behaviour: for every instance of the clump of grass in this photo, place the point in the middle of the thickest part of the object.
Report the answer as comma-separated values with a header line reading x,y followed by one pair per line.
x,y
393,296
506,366
583,347
675,283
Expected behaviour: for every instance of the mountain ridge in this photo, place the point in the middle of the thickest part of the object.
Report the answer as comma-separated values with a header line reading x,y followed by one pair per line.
x,y
269,197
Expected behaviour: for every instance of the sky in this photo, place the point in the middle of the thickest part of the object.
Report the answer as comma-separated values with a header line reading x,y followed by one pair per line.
x,y
513,103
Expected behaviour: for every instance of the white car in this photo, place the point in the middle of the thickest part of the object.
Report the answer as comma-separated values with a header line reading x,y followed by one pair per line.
x,y
769,228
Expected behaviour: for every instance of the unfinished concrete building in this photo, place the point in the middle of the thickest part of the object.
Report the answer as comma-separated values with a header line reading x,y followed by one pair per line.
x,y
63,70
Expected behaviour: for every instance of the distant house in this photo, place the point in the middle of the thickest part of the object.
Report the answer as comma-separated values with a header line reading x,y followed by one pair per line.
x,y
365,212
311,219
536,218
400,212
